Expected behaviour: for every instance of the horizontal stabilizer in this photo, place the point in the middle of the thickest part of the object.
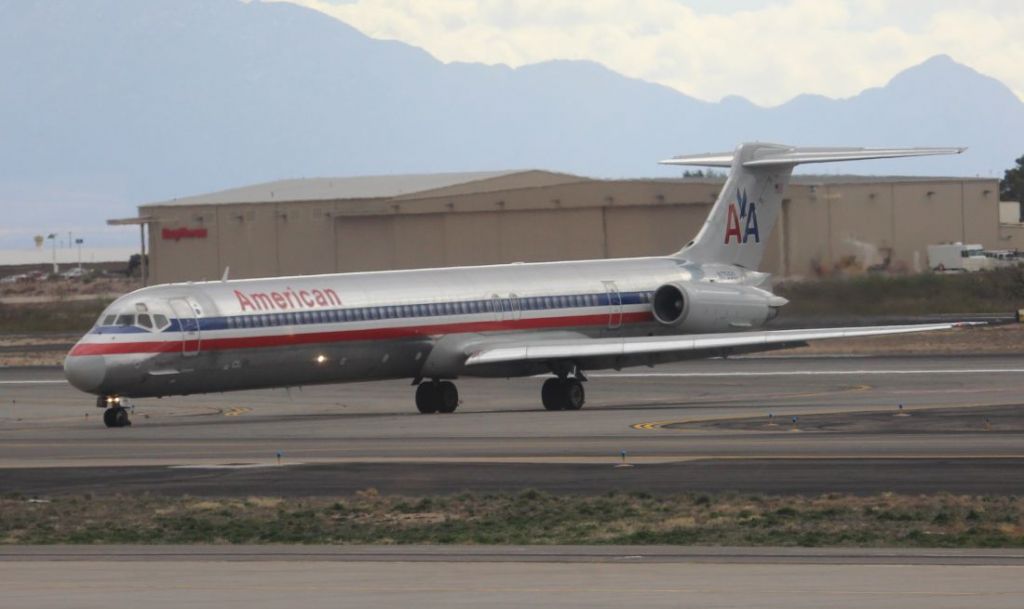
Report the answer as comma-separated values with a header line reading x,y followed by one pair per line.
x,y
782,156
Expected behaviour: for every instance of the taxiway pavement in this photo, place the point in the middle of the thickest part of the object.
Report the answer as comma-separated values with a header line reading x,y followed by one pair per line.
x,y
677,425
454,576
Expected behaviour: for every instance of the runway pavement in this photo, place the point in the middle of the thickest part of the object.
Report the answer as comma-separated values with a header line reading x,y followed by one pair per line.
x,y
453,576
701,426
694,426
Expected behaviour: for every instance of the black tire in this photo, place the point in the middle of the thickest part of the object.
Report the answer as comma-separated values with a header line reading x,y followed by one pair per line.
x,y
427,398
121,417
551,394
447,397
116,416
573,395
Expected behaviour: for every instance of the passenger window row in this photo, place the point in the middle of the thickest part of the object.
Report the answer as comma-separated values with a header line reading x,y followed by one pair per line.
x,y
472,307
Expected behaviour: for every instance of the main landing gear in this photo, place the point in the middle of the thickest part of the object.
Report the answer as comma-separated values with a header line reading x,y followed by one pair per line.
x,y
559,393
562,393
114,415
437,396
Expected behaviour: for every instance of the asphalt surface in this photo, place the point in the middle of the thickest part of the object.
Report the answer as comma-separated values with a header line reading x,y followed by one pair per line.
x,y
454,577
700,426
770,476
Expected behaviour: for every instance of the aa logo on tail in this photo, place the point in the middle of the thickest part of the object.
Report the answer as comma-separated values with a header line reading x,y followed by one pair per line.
x,y
742,214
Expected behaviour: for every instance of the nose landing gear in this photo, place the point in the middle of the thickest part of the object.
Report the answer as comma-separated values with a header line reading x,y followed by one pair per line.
x,y
114,415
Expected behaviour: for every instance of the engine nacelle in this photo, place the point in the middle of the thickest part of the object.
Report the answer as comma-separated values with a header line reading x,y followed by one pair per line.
x,y
714,307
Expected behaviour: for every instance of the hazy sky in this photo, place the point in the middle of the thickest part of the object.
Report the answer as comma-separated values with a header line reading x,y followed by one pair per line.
x,y
765,50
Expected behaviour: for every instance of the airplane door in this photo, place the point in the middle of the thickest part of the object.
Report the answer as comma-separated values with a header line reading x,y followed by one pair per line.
x,y
505,309
189,326
614,305
497,308
515,310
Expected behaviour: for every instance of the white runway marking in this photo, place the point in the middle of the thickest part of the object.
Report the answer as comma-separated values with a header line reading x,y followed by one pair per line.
x,y
232,465
803,373
49,382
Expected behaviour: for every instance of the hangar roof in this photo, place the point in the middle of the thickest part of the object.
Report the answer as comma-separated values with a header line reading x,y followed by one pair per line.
x,y
366,187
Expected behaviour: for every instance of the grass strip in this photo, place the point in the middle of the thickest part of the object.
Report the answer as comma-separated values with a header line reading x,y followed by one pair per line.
x,y
75,316
997,291
529,517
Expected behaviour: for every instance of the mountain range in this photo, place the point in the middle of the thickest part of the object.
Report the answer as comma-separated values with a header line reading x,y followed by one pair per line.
x,y
106,104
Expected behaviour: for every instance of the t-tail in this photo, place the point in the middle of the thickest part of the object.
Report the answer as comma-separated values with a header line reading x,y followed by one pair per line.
x,y
744,215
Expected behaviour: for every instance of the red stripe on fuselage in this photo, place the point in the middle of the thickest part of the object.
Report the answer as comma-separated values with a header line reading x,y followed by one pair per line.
x,y
285,340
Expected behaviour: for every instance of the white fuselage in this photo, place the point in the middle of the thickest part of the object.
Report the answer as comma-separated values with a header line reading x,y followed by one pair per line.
x,y
218,336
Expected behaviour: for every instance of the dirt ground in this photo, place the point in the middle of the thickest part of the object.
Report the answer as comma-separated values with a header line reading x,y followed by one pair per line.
x,y
983,340
66,289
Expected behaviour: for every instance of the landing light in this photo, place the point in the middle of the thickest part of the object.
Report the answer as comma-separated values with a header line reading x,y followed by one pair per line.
x,y
321,359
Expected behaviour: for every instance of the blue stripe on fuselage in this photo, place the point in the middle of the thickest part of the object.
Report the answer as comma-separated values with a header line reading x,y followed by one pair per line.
x,y
386,312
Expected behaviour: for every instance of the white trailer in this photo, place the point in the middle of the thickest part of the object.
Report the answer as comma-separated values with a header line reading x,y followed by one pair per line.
x,y
958,257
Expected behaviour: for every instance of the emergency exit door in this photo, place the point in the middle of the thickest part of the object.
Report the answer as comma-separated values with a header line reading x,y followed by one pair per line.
x,y
614,305
188,324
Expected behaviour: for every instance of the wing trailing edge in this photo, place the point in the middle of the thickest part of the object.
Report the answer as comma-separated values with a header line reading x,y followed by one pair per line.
x,y
584,348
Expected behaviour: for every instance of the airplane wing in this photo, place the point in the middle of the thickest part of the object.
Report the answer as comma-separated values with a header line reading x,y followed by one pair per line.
x,y
633,350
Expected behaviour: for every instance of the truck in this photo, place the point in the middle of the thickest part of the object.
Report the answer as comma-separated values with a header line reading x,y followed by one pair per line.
x,y
950,257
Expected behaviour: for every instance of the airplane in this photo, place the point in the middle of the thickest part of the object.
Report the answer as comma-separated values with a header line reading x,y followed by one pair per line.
x,y
558,319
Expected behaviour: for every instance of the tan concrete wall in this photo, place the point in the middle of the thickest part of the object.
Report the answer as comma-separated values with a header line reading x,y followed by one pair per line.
x,y
804,229
859,213
568,220
476,238
1009,212
926,213
247,240
184,259
305,239
1011,236
436,240
365,243
981,213
652,231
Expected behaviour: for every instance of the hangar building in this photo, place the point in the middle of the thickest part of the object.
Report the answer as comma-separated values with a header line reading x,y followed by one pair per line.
x,y
326,225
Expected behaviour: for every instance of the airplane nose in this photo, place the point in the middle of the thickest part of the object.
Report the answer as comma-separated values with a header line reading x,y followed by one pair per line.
x,y
85,372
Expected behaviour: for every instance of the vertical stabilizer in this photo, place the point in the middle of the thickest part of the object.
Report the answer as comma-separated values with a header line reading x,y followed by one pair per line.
x,y
748,206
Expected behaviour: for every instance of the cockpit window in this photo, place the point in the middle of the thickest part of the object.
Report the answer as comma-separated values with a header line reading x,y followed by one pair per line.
x,y
145,321
108,320
161,321
124,320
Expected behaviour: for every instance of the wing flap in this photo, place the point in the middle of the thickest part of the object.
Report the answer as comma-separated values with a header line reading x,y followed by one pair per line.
x,y
584,348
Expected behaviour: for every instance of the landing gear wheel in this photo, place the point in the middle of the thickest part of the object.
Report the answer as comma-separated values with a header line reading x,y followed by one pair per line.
x,y
573,395
562,394
427,398
447,397
434,397
550,393
116,416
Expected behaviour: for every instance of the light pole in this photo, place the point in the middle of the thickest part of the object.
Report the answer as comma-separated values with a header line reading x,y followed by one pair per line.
x,y
53,237
79,243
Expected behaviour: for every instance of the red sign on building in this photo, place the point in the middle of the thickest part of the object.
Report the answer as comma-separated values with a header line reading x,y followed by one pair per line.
x,y
177,234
